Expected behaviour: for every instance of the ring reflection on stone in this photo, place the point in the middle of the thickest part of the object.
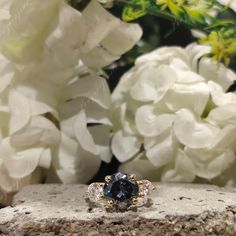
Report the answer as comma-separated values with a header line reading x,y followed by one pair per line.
x,y
120,192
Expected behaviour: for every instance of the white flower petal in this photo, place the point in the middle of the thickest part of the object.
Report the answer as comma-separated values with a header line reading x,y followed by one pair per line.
x,y
217,72
20,110
153,83
7,184
163,55
184,170
163,150
38,108
187,76
75,164
149,123
196,52
98,57
101,136
92,87
94,112
39,131
46,159
142,168
122,39
223,115
23,39
209,164
82,134
124,147
123,87
190,96
219,97
99,23
64,43
226,138
5,80
192,133
20,164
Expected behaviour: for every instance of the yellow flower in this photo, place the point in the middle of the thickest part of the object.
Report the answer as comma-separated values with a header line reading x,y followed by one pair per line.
x,y
223,46
173,5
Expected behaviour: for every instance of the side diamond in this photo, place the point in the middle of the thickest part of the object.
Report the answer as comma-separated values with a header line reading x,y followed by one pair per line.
x,y
145,187
95,191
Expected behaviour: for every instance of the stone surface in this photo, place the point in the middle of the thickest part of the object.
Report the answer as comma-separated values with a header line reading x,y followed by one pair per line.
x,y
181,209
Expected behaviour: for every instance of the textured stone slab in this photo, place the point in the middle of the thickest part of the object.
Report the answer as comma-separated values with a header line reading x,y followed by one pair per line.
x,y
178,209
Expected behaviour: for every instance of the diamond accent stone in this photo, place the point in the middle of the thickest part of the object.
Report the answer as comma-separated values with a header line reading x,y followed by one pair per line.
x,y
95,191
145,187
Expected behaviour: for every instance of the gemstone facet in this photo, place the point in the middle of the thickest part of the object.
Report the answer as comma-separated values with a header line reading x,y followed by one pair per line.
x,y
121,187
95,191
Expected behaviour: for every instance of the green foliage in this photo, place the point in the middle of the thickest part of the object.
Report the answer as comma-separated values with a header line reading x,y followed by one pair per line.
x,y
194,14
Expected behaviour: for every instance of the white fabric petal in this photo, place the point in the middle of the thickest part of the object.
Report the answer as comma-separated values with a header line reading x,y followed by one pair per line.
x,y
5,80
92,87
163,55
38,108
124,147
142,168
225,139
23,41
183,171
192,133
223,115
22,163
98,57
122,38
20,110
196,53
190,96
123,86
101,136
209,164
46,159
75,164
217,72
94,112
163,151
149,123
187,76
153,83
39,131
64,43
219,96
7,184
99,24
82,134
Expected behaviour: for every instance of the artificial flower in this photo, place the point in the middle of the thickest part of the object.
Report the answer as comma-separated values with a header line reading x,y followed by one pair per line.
x,y
50,90
173,119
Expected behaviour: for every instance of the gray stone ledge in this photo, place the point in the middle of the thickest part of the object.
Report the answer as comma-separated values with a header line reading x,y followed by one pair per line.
x,y
178,209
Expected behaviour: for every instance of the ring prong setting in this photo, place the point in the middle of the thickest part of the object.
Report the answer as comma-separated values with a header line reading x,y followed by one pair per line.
x,y
107,178
135,200
133,177
109,203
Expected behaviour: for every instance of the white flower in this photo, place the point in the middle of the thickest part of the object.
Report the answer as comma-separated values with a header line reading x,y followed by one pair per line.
x,y
172,115
50,91
230,3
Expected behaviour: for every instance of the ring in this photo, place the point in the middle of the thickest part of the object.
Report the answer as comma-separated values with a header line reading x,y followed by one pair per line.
x,y
120,192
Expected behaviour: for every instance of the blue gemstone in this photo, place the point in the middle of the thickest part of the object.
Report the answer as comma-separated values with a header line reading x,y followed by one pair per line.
x,y
120,187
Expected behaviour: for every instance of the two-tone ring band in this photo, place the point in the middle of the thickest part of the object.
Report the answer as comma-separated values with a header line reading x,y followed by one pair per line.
x,y
120,192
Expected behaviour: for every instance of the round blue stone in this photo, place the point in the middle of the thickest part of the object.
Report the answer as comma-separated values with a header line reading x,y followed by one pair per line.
x,y
120,187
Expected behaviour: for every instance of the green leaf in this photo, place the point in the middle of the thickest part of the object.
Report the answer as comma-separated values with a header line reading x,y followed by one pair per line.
x,y
135,10
176,10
